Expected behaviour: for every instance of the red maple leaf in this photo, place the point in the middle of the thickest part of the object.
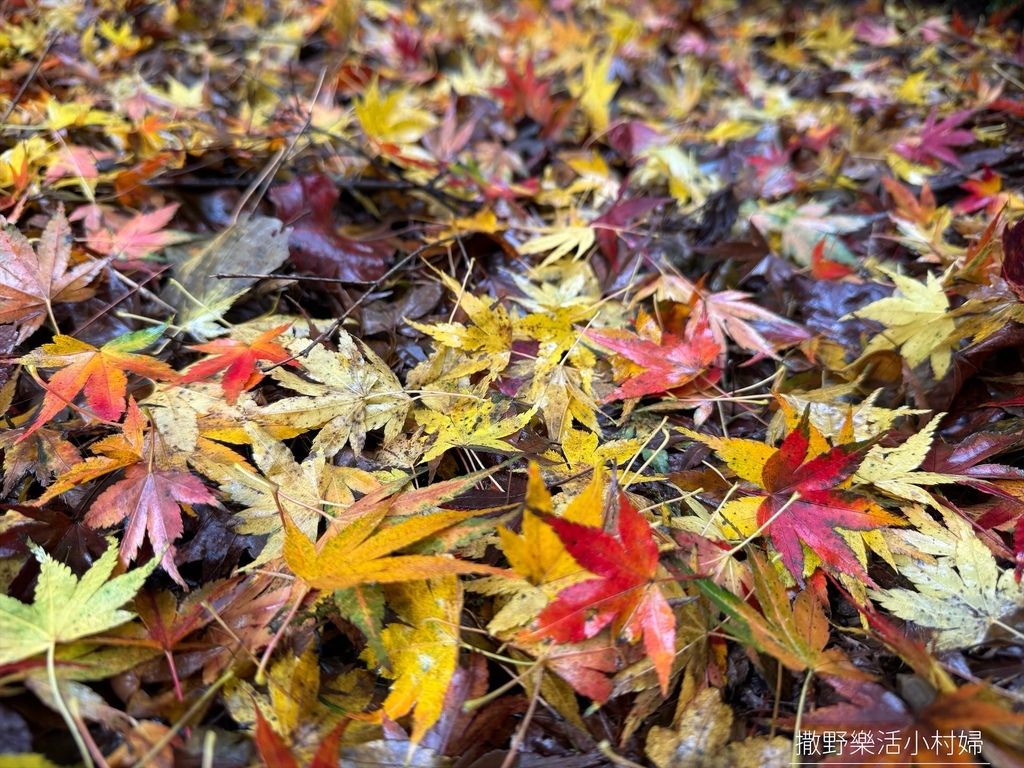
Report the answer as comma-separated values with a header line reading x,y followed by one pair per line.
x,y
670,361
625,593
149,498
803,506
983,192
524,95
239,359
1009,514
935,139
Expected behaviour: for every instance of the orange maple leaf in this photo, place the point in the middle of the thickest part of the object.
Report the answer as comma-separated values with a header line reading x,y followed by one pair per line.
x,y
100,372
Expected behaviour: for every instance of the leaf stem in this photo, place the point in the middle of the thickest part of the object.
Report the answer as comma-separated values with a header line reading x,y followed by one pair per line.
x,y
800,716
520,736
605,748
62,707
789,502
265,658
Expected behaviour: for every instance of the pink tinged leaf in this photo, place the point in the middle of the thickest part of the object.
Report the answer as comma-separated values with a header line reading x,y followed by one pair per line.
x,y
139,236
672,364
581,611
31,280
584,670
936,139
150,500
633,137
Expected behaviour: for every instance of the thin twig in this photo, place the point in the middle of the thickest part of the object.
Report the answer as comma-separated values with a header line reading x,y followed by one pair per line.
x,y
28,79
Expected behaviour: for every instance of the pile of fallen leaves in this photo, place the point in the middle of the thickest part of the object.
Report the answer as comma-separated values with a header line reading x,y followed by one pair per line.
x,y
573,384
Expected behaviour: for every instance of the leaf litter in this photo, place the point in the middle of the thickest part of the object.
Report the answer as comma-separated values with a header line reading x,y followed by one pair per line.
x,y
648,393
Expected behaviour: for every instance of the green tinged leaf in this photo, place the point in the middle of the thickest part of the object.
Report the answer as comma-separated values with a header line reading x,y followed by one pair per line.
x,y
67,608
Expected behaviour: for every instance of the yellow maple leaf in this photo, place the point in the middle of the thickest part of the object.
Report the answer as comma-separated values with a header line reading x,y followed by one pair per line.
x,y
583,450
485,345
292,706
916,88
561,241
353,391
392,119
893,470
962,594
595,91
917,322
537,554
744,457
360,549
424,650
469,423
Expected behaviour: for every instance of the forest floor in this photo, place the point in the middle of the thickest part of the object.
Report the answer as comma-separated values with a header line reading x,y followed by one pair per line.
x,y
622,383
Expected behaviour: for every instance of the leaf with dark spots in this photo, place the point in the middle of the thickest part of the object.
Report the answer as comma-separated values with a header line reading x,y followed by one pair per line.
x,y
307,205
